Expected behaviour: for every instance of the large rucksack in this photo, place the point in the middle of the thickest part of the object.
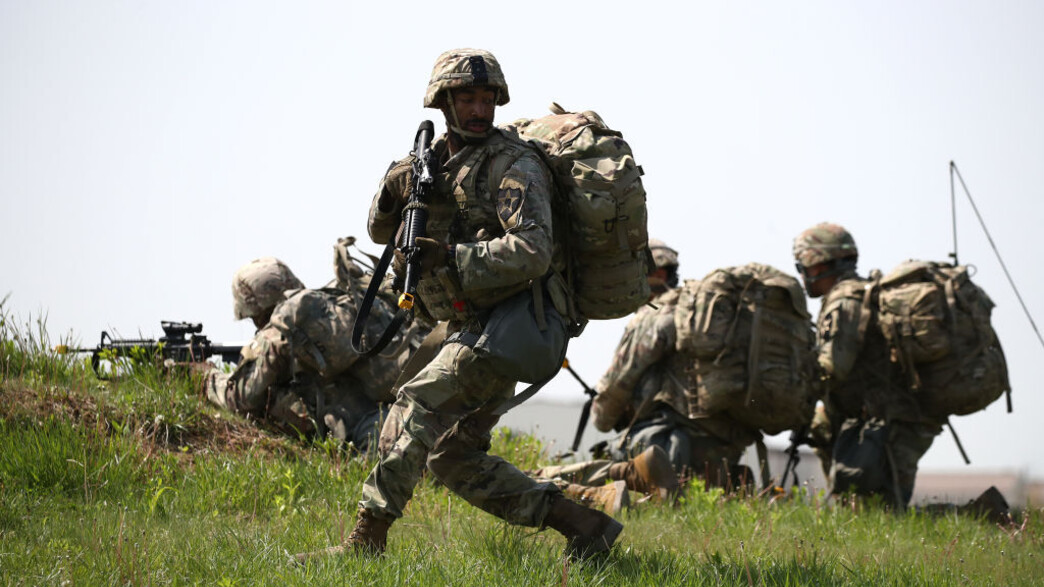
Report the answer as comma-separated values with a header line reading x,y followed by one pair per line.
x,y
750,333
937,322
602,201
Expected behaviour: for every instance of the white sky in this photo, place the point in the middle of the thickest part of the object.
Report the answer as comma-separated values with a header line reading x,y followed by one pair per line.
x,y
148,149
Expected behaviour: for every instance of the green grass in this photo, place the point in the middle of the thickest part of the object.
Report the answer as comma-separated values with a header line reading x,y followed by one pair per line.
x,y
138,481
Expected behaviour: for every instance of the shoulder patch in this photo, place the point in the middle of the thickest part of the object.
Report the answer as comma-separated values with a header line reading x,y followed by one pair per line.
x,y
510,198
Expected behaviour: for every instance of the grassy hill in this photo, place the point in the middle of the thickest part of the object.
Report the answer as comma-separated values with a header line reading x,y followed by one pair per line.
x,y
138,481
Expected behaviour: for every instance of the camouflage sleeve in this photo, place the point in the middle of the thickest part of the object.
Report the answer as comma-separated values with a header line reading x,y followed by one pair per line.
x,y
523,201
838,336
647,340
395,186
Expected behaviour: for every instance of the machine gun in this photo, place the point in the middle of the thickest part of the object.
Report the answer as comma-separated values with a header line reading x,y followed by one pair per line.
x,y
414,225
182,342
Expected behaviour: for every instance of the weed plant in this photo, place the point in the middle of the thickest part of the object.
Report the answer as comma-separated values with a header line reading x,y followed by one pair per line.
x,y
138,481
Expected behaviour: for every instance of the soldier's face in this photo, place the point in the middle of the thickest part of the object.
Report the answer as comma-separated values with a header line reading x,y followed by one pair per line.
x,y
657,281
818,287
474,107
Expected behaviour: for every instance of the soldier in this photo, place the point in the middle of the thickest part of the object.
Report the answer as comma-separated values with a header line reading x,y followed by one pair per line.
x,y
643,393
300,372
872,424
487,269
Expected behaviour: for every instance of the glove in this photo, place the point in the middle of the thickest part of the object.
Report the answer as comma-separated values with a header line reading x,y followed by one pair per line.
x,y
395,188
432,254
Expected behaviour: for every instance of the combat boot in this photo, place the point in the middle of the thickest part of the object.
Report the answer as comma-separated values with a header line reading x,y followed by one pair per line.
x,y
369,537
587,531
609,498
650,472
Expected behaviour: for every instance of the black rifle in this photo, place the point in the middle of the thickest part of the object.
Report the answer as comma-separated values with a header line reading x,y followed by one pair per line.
x,y
182,342
585,412
414,225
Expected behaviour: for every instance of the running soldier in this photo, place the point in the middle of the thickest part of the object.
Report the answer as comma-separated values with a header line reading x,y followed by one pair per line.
x,y
489,263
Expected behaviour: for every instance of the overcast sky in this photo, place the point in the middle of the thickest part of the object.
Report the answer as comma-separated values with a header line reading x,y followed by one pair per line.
x,y
148,149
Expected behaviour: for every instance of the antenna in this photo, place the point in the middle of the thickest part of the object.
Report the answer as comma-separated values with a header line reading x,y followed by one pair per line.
x,y
955,172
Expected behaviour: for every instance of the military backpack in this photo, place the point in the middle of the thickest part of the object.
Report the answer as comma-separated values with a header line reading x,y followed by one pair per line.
x,y
750,333
600,197
937,325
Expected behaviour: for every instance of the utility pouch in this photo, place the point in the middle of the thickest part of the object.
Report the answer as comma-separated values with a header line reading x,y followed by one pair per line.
x,y
515,344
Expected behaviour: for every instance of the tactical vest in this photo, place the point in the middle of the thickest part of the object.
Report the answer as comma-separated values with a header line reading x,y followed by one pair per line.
x,y
464,210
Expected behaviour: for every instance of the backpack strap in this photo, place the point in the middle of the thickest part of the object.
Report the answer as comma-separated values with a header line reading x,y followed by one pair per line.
x,y
866,310
754,354
731,335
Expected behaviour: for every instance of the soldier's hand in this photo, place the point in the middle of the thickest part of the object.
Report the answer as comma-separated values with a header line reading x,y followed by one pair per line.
x,y
432,254
387,202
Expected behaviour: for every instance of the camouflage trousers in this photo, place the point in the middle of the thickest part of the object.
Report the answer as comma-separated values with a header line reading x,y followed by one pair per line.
x,y
693,449
442,421
872,457
584,473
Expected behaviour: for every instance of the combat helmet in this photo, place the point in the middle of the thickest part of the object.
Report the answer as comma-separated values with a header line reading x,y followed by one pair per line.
x,y
462,68
666,258
663,256
258,287
823,243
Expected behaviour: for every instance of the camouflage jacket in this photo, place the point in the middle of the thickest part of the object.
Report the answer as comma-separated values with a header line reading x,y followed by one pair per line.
x,y
645,363
861,379
492,201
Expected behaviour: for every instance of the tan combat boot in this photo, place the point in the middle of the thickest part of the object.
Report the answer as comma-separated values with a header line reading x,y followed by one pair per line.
x,y
588,531
650,472
609,498
369,537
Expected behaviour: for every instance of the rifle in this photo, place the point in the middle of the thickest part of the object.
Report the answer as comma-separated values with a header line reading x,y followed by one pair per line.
x,y
182,342
414,221
585,412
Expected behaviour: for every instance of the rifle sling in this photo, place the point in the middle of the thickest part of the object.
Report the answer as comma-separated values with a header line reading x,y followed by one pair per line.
x,y
367,304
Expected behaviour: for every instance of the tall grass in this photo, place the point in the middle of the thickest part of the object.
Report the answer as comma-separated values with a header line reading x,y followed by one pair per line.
x,y
139,482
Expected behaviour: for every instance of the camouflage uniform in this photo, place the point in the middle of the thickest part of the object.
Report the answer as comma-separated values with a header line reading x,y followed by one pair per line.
x,y
646,383
492,203
300,367
868,401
